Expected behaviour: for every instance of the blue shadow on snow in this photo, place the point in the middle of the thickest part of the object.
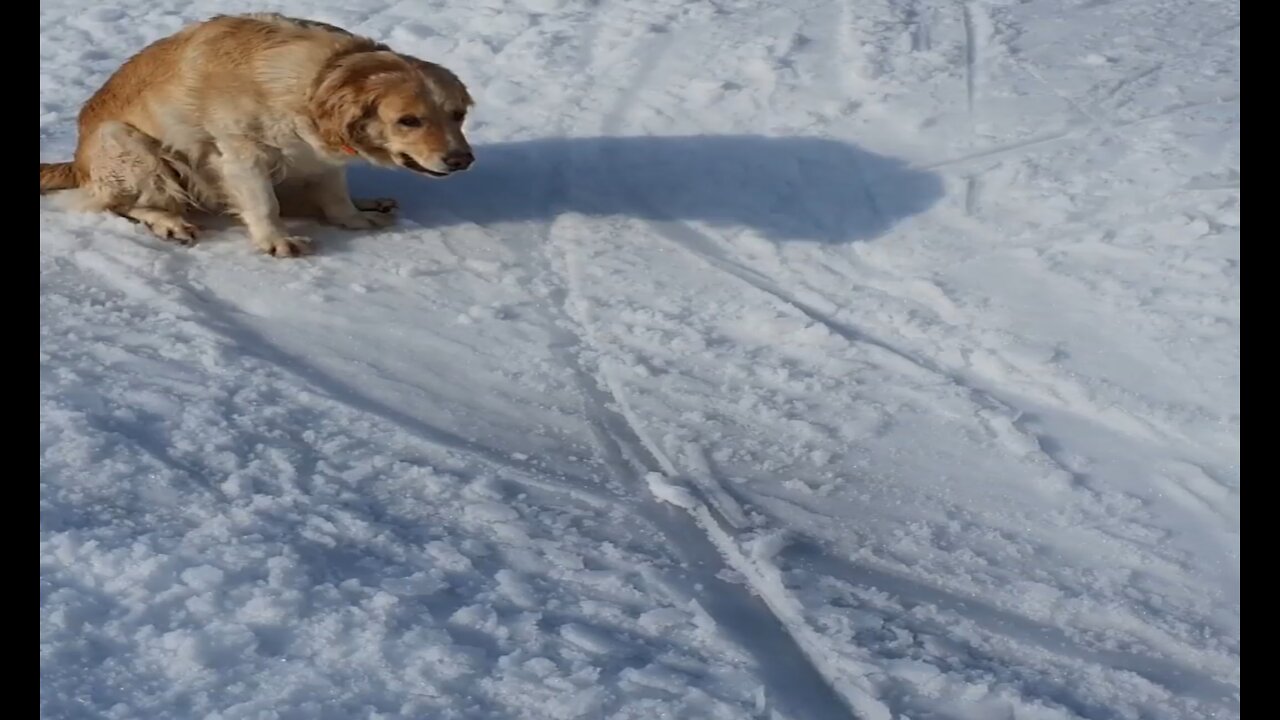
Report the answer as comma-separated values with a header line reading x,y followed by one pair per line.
x,y
784,188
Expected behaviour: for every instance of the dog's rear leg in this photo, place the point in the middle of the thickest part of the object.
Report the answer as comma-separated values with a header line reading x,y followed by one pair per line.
x,y
129,176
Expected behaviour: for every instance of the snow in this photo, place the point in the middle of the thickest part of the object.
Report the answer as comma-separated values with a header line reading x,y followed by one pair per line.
x,y
784,359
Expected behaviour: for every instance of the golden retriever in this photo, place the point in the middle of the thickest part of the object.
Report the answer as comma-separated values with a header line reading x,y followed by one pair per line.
x,y
257,115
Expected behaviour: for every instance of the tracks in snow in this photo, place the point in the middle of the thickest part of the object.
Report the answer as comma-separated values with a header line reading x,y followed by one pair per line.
x,y
794,667
971,56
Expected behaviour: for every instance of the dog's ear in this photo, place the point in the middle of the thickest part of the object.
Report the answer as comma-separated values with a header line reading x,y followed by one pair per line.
x,y
341,101
442,77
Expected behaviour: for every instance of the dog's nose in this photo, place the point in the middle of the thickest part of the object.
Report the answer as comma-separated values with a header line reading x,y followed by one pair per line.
x,y
459,160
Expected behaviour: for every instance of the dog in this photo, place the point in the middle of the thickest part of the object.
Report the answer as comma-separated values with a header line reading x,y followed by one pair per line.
x,y
257,116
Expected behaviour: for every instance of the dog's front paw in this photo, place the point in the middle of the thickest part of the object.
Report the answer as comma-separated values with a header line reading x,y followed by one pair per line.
x,y
282,246
369,214
174,229
382,205
364,220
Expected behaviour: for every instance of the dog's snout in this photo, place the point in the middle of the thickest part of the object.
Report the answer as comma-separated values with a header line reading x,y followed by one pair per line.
x,y
459,160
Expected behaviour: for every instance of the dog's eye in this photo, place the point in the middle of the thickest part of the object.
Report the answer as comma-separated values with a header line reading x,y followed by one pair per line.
x,y
458,116
410,121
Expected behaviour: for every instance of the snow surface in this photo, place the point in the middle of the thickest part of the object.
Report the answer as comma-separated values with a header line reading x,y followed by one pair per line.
x,y
778,359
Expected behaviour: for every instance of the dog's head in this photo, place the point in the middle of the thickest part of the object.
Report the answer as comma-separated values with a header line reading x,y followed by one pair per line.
x,y
394,110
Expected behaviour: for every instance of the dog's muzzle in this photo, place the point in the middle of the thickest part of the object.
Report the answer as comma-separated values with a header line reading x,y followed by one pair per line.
x,y
416,166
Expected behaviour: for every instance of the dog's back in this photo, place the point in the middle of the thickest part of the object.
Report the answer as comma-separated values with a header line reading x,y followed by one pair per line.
x,y
227,71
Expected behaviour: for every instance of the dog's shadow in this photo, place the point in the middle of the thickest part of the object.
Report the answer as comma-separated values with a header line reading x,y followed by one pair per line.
x,y
784,188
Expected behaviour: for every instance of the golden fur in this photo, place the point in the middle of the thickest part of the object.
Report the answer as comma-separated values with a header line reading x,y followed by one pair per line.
x,y
257,115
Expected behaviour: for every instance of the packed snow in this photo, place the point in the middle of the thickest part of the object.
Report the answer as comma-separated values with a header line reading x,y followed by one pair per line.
x,y
787,359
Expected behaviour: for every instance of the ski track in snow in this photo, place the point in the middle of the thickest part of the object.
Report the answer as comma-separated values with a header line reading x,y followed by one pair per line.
x,y
790,360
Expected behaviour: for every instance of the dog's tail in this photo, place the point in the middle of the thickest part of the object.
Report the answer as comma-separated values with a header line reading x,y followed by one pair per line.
x,y
58,176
